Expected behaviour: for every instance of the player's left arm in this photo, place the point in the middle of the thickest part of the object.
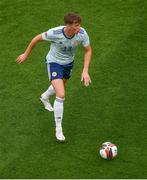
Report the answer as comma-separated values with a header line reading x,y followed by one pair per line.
x,y
85,77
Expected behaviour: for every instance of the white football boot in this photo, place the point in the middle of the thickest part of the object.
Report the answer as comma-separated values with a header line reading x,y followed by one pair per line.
x,y
59,135
47,104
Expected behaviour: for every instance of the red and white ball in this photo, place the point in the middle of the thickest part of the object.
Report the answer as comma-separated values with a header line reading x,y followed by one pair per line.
x,y
108,150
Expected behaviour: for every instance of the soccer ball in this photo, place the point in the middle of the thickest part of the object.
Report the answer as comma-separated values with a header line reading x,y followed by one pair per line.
x,y
108,151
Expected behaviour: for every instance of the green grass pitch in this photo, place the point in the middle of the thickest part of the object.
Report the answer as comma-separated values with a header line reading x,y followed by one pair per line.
x,y
113,108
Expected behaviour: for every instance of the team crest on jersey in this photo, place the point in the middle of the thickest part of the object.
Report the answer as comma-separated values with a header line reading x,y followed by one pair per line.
x,y
54,74
76,43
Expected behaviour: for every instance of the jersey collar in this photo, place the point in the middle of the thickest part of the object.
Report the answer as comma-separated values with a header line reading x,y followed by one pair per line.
x,y
67,36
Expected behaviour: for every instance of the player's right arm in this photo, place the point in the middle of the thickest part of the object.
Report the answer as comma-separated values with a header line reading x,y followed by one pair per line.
x,y
27,52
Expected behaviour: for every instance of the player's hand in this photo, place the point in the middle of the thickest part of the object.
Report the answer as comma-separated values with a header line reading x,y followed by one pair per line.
x,y
85,78
21,58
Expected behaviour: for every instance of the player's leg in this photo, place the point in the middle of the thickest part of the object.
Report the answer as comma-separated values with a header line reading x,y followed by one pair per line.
x,y
59,87
45,98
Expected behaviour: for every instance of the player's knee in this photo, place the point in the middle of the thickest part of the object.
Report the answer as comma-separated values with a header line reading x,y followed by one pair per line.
x,y
61,95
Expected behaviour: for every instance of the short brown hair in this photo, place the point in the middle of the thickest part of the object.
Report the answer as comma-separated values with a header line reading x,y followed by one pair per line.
x,y
72,17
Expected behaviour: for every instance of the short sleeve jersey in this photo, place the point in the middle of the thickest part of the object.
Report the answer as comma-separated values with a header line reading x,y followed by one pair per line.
x,y
62,49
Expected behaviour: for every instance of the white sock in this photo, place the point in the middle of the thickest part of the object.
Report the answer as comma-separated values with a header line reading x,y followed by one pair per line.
x,y
58,112
49,92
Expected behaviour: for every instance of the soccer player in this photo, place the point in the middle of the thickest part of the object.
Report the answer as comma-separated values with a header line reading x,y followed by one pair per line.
x,y
59,60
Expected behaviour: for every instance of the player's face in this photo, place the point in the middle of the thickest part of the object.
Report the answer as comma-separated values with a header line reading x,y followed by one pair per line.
x,y
74,28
